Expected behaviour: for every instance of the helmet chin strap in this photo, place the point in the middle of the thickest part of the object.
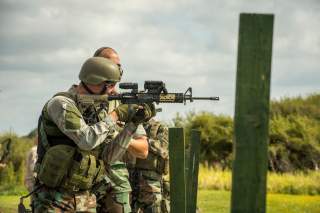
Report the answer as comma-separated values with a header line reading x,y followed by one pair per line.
x,y
91,92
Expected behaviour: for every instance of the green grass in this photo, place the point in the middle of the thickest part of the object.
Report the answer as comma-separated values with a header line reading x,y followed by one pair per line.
x,y
212,201
13,190
298,183
288,183
9,203
219,202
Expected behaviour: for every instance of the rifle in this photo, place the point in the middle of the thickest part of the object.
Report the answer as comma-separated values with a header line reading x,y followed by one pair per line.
x,y
154,91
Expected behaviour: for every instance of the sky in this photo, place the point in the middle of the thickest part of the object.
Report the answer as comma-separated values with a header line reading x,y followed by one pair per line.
x,y
183,43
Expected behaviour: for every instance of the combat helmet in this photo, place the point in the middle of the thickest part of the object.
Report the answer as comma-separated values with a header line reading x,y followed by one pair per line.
x,y
96,70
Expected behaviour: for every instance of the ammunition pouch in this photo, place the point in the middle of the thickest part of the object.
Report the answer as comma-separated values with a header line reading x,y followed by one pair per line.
x,y
82,173
68,168
55,165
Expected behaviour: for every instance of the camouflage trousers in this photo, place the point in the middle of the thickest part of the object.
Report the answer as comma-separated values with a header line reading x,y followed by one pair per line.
x,y
165,203
110,200
51,200
113,191
147,194
114,203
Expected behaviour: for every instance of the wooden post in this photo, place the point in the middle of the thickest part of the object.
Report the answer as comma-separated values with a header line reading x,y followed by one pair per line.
x,y
177,170
186,165
251,121
187,158
193,170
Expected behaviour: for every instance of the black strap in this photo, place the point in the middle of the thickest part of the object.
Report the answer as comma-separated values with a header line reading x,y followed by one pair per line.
x,y
60,140
103,90
40,147
21,207
90,91
87,88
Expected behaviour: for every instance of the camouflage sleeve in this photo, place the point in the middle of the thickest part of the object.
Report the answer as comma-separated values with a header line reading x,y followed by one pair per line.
x,y
67,117
160,144
162,135
115,150
30,162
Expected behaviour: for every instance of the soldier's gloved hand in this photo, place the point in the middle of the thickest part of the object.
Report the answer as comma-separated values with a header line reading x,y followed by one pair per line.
x,y
144,113
125,112
135,113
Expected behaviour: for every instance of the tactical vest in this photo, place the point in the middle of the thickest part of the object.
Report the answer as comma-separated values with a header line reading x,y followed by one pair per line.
x,y
60,162
158,158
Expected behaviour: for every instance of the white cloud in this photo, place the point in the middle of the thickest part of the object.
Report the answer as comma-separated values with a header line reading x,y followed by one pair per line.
x,y
184,43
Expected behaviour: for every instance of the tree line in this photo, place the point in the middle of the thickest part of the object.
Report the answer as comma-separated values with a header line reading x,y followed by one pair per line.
x,y
294,142
294,135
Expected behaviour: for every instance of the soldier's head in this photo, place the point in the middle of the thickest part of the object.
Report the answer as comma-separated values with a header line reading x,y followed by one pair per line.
x,y
109,53
98,75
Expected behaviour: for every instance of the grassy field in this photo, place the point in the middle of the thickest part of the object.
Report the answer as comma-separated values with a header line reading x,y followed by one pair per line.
x,y
214,192
287,183
212,201
9,203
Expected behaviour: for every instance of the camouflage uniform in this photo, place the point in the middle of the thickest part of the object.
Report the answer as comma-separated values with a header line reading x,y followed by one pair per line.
x,y
113,191
30,163
147,176
68,121
51,200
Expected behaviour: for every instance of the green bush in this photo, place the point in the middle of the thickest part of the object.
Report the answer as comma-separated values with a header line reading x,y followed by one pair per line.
x,y
307,107
12,175
294,143
7,175
294,135
216,138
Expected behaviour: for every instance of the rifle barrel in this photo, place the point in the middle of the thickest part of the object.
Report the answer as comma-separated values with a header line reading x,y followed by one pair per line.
x,y
204,98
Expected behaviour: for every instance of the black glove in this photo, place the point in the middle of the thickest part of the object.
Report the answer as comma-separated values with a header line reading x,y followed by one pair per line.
x,y
126,112
135,113
144,113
